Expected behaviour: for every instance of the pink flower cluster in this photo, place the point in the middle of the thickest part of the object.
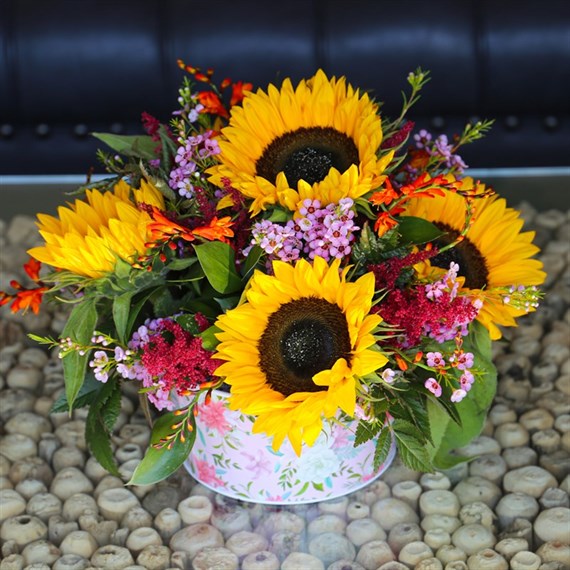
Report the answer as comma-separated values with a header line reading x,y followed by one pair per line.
x,y
433,310
327,232
459,360
190,152
161,355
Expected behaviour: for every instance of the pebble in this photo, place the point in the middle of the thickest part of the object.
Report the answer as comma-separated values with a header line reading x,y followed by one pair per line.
x,y
193,538
552,524
11,504
154,557
374,554
487,559
414,552
44,506
477,489
70,481
519,457
195,509
23,529
297,560
245,542
389,512
79,542
525,560
116,502
516,506
142,537
531,480
360,531
402,534
111,556
472,538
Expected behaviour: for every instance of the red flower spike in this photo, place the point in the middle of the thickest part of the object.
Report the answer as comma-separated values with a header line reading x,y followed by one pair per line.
x,y
238,90
32,268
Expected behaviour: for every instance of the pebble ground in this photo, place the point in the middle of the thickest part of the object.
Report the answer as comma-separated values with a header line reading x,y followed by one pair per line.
x,y
507,509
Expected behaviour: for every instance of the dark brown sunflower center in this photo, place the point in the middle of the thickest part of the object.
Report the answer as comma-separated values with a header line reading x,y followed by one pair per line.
x,y
471,263
302,338
307,154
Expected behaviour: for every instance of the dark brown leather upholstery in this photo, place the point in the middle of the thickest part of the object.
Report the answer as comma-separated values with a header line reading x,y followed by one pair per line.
x,y
69,67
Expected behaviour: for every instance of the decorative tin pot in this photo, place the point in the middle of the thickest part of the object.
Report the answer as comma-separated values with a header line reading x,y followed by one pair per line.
x,y
229,459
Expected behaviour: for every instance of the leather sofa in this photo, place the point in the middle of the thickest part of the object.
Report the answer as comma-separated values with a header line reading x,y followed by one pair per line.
x,y
70,67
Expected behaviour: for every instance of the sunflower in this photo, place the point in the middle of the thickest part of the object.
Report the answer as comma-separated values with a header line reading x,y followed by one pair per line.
x,y
494,255
318,141
295,350
89,236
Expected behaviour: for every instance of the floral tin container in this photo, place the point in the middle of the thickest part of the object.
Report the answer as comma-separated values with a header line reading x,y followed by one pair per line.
x,y
230,459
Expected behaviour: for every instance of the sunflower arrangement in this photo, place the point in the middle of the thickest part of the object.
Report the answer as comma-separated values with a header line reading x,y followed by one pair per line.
x,y
294,248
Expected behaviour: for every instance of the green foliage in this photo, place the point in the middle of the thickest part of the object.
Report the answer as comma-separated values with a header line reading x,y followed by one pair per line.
x,y
160,462
417,230
137,146
79,328
218,262
383,446
372,249
104,410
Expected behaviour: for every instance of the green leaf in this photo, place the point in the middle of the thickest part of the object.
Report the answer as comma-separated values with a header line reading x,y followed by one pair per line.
x,y
218,262
209,340
79,328
383,446
412,451
103,413
158,464
188,323
136,308
365,431
417,230
138,146
84,397
179,264
121,311
251,261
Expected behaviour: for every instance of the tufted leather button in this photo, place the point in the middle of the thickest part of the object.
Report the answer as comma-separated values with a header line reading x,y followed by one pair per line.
x,y
80,131
512,122
551,123
117,128
6,131
438,122
42,130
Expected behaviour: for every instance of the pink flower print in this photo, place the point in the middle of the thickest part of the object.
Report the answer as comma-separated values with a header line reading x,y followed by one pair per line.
x,y
207,473
340,437
212,415
258,464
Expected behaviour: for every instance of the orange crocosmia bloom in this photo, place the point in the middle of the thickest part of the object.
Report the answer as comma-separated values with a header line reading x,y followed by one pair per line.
x,y
238,90
217,229
163,229
384,222
426,187
212,104
384,196
32,269
24,299
31,298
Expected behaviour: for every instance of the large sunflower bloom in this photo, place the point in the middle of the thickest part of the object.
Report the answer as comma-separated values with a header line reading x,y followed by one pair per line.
x,y
317,141
494,255
88,236
296,349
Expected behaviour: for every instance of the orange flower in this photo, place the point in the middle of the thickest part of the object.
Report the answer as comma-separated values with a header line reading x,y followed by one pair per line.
x,y
384,196
217,229
212,104
385,221
425,186
419,159
26,298
238,90
162,229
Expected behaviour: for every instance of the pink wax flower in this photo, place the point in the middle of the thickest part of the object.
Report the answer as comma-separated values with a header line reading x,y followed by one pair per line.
x,y
433,386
